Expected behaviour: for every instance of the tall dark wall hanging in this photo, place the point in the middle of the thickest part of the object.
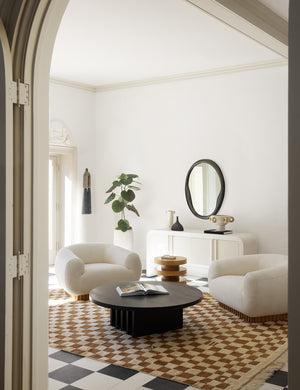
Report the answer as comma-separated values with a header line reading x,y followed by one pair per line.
x,y
86,203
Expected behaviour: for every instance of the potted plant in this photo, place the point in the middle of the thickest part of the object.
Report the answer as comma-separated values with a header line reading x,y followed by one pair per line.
x,y
122,194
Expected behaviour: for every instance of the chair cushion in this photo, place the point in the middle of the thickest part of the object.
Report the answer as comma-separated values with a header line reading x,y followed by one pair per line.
x,y
228,289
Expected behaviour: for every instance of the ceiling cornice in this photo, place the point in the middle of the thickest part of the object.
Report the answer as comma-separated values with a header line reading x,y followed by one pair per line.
x,y
251,18
72,84
173,78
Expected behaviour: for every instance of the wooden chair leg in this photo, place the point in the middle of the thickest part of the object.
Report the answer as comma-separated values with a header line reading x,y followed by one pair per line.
x,y
83,297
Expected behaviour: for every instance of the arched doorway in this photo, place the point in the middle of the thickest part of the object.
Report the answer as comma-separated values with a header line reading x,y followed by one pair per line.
x,y
27,37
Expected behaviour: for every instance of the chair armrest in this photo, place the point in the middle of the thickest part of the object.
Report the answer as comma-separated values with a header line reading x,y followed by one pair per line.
x,y
124,257
267,290
273,276
233,266
67,267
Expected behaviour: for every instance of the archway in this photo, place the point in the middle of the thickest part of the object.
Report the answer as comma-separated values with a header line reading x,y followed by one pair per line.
x,y
27,38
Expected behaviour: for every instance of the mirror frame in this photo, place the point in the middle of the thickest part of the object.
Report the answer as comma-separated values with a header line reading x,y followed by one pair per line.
x,y
220,197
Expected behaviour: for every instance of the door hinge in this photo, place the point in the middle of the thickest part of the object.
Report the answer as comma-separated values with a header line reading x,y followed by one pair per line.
x,y
18,265
19,93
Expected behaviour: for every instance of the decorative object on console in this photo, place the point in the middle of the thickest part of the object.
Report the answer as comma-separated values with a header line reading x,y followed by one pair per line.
x,y
86,203
214,231
204,188
126,185
221,221
170,218
177,226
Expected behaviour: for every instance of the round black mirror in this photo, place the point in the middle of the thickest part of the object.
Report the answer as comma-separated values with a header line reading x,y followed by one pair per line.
x,y
204,188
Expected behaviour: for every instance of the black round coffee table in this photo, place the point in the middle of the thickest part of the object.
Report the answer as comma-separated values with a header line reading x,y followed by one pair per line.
x,y
145,314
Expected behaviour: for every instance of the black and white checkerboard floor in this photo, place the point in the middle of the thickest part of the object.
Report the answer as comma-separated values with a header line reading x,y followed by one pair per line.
x,y
73,372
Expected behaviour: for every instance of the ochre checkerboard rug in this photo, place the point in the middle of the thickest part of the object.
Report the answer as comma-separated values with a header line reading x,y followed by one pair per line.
x,y
214,349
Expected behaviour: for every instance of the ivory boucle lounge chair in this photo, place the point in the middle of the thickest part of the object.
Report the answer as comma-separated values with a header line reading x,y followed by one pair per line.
x,y
255,287
81,267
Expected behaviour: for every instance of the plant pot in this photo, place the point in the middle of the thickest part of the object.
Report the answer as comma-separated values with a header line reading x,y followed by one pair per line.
x,y
124,239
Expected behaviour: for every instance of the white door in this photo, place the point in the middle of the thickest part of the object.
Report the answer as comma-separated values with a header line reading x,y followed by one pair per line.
x,y
62,203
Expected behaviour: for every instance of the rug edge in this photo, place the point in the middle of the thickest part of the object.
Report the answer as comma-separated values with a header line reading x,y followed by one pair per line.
x,y
258,380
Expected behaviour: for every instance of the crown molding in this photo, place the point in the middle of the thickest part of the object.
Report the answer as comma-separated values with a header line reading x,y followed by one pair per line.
x,y
251,18
173,78
193,75
73,84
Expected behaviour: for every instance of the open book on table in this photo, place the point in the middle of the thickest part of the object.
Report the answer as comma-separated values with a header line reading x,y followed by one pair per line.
x,y
139,288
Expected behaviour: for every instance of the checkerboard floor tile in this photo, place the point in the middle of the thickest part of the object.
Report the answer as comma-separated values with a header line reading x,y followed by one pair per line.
x,y
68,371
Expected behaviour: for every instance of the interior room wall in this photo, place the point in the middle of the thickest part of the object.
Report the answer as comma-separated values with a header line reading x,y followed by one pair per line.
x,y
158,131
75,108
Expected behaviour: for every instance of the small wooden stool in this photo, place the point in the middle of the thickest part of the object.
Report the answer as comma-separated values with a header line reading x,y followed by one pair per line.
x,y
170,270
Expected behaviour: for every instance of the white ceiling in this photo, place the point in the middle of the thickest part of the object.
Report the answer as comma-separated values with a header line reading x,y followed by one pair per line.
x,y
103,42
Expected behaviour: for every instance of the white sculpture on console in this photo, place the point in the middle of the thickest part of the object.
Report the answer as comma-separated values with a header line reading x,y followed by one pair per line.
x,y
221,221
170,218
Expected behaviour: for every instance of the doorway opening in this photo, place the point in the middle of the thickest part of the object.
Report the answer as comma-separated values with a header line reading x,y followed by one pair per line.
x,y
62,184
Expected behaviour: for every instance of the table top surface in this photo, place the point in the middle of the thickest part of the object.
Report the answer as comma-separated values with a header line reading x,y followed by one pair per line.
x,y
179,296
177,261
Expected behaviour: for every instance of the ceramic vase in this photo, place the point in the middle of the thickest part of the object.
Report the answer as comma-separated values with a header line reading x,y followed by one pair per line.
x,y
124,239
221,221
177,225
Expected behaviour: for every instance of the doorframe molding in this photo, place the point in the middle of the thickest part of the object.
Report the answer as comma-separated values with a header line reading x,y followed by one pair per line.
x,y
47,24
251,18
7,216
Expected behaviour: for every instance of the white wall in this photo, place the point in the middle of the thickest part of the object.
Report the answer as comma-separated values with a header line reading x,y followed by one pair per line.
x,y
238,120
76,109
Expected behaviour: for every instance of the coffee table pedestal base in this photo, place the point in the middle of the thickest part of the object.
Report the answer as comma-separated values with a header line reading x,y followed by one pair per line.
x,y
143,322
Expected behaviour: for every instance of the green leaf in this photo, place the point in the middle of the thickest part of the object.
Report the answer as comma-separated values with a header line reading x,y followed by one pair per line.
x,y
117,206
110,189
123,176
132,208
110,198
126,181
115,184
133,176
123,225
134,188
128,195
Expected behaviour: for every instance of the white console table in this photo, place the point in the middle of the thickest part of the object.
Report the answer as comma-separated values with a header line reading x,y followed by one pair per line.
x,y
198,247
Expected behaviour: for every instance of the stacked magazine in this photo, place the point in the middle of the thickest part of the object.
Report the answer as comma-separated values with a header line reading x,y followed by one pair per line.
x,y
138,288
